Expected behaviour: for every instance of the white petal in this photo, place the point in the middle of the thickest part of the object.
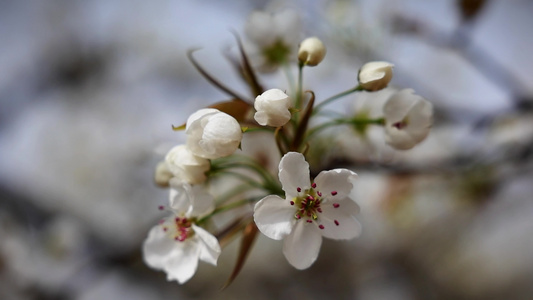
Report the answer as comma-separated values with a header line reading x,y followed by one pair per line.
x,y
180,200
399,105
301,247
348,227
199,115
202,203
157,248
209,247
337,180
274,217
183,262
293,173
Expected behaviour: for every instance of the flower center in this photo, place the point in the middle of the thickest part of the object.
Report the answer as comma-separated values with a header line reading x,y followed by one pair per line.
x,y
308,205
179,229
276,53
402,124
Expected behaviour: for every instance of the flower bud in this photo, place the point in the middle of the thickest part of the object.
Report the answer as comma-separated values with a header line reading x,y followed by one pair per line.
x,y
408,119
311,51
375,76
212,134
162,174
272,108
185,166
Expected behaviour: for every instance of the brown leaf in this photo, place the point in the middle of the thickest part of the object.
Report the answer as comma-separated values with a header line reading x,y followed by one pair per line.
x,y
236,108
248,239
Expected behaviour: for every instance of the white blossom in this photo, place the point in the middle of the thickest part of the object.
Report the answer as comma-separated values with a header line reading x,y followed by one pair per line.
x,y
309,211
274,37
312,51
272,108
408,119
186,166
376,75
162,174
176,244
212,134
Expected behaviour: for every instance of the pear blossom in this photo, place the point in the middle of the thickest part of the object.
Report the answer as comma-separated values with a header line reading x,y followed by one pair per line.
x,y
176,244
376,75
311,52
273,38
272,108
186,166
212,134
408,119
309,211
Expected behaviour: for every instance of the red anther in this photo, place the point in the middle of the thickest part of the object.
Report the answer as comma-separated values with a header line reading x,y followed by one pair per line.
x,y
309,221
165,229
313,185
292,202
321,226
319,210
334,193
161,207
298,217
319,193
336,205
310,198
177,219
336,222
299,189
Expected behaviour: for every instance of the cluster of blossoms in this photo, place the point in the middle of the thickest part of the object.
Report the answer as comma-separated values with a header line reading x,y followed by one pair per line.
x,y
294,206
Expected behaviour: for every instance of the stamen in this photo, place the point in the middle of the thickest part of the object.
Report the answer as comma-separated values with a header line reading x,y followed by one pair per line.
x,y
310,198
309,221
319,210
336,205
299,189
292,202
333,193
314,185
321,226
165,229
336,222
319,193
161,207
297,216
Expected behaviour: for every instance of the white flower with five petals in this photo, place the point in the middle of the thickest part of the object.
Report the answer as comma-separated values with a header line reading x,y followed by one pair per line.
x,y
310,211
177,243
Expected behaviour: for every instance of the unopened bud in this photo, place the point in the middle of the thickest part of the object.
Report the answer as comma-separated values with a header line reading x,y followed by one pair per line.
x,y
162,174
311,51
375,76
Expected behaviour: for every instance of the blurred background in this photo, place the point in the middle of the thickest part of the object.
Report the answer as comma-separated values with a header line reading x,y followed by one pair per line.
x,y
89,90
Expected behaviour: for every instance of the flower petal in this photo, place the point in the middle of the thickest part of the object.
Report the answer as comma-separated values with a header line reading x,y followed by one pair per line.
x,y
183,262
338,219
301,247
336,181
209,247
293,173
274,217
157,248
202,203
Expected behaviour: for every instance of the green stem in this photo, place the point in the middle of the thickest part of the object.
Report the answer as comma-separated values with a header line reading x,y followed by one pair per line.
x,y
338,96
226,208
355,122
